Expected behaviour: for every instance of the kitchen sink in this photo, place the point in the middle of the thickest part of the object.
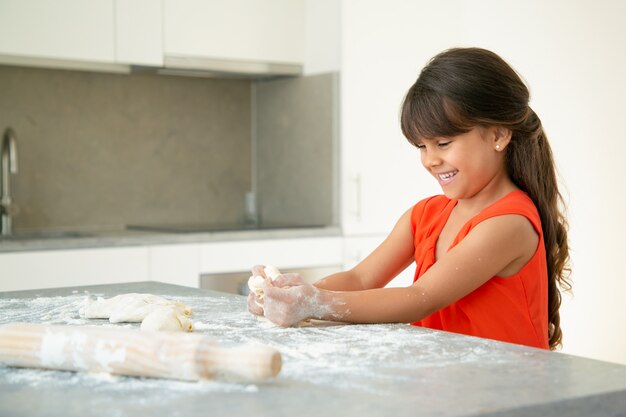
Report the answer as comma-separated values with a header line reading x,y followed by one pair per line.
x,y
44,235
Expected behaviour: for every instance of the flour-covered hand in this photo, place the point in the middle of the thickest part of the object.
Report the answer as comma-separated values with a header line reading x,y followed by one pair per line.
x,y
288,280
255,306
289,299
255,303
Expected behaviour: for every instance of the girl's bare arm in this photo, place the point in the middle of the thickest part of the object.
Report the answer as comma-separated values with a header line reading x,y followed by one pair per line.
x,y
490,248
390,258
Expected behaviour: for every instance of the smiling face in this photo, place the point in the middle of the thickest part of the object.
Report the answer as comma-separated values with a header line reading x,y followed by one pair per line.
x,y
469,164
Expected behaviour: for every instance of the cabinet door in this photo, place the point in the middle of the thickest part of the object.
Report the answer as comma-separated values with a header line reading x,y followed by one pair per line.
x,y
61,29
282,253
249,30
226,265
49,269
382,174
139,32
176,264
358,248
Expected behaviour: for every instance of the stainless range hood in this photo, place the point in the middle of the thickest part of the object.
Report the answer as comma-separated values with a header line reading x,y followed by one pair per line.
x,y
210,67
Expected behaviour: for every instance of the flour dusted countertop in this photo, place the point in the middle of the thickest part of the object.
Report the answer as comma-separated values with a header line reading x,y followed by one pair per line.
x,y
364,370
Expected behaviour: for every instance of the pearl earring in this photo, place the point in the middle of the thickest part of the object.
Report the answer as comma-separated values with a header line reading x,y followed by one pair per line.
x,y
497,147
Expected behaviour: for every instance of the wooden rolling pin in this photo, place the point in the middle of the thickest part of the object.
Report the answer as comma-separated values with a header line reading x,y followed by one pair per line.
x,y
132,352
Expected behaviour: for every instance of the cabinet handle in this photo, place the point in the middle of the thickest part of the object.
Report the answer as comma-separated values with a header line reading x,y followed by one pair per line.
x,y
357,197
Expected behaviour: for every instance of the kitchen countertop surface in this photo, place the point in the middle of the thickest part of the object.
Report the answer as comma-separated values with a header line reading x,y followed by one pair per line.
x,y
328,370
137,237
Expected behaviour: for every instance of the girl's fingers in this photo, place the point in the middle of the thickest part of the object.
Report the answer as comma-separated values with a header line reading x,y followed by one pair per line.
x,y
258,270
288,280
253,305
276,293
287,306
288,295
286,299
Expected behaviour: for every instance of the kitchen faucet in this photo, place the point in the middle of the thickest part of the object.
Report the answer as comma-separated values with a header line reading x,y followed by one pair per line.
x,y
8,165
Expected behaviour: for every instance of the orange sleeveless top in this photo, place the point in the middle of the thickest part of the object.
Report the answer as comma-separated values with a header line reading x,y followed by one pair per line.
x,y
512,309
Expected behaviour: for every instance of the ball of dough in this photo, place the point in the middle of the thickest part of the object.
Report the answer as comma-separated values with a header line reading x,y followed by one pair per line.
x,y
255,283
271,272
167,319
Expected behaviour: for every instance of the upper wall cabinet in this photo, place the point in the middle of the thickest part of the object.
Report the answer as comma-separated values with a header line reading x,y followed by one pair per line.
x,y
73,30
262,31
257,37
139,32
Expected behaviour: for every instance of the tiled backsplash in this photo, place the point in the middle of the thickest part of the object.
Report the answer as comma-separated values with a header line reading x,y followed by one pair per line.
x,y
104,150
100,151
296,132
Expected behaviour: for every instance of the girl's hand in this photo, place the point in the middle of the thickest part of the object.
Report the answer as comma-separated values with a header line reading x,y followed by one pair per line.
x,y
253,305
289,299
258,270
253,301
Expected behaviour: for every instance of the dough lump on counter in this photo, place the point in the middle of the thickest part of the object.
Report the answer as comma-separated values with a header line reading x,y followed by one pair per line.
x,y
135,308
167,319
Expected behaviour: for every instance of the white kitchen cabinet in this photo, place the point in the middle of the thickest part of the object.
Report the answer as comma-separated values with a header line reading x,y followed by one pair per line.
x,y
358,248
176,264
244,30
283,253
49,269
226,266
110,35
183,264
180,264
384,45
73,30
105,35
322,45
139,32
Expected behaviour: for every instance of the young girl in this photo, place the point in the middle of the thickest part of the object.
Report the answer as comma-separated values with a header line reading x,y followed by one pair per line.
x,y
491,252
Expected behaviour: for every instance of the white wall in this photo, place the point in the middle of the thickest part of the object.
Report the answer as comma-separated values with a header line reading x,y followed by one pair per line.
x,y
572,56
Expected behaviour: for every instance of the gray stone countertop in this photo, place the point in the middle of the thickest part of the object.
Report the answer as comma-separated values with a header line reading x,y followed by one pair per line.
x,y
328,370
112,238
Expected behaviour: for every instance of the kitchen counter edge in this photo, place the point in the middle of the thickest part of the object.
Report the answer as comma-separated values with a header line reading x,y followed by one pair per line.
x,y
147,238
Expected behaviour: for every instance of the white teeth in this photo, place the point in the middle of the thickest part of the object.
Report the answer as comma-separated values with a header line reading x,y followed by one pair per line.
x,y
447,175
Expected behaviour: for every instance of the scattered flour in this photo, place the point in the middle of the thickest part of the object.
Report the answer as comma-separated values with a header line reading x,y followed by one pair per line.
x,y
109,352
346,357
52,349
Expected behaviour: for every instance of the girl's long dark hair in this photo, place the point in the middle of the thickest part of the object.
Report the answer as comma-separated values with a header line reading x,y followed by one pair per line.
x,y
466,87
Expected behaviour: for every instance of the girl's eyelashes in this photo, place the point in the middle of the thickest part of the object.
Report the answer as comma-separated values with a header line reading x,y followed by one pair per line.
x,y
440,144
